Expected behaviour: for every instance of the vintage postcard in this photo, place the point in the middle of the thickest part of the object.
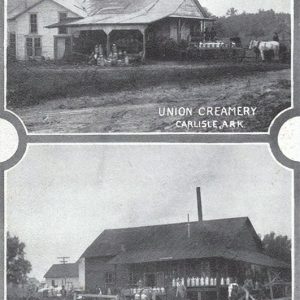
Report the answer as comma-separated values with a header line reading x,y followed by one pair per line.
x,y
149,150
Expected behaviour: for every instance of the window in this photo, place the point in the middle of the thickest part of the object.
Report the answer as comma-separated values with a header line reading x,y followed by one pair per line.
x,y
53,283
62,30
12,44
33,46
132,280
109,278
33,23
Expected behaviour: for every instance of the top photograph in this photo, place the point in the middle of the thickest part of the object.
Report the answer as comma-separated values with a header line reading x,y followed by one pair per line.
x,y
148,66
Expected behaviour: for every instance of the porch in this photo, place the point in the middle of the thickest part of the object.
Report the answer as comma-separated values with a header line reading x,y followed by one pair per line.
x,y
143,40
205,279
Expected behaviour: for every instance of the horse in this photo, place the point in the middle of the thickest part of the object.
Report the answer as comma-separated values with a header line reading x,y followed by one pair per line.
x,y
238,292
261,47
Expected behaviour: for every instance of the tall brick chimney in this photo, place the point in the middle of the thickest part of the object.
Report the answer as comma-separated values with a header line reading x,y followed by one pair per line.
x,y
199,204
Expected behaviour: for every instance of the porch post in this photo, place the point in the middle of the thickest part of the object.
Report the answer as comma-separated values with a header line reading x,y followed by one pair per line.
x,y
218,277
179,30
185,275
108,43
143,31
144,45
202,25
270,281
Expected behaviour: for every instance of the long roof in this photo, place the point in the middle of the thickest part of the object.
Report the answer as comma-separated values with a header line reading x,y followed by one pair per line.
x,y
102,12
63,270
74,6
213,238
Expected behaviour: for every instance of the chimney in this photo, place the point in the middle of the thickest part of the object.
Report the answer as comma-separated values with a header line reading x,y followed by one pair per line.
x,y
199,204
189,226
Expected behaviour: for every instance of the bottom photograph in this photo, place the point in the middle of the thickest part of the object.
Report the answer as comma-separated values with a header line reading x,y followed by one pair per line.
x,y
149,222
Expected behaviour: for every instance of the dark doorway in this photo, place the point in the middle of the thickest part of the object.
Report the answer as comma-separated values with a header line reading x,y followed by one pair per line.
x,y
150,280
130,41
87,40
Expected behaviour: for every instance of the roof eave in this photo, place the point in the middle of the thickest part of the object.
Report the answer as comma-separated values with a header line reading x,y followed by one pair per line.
x,y
36,4
192,17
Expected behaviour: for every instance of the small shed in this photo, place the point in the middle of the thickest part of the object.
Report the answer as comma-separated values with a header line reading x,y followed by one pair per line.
x,y
63,275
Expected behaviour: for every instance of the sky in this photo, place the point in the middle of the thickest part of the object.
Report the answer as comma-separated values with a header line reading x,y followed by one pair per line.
x,y
220,7
61,197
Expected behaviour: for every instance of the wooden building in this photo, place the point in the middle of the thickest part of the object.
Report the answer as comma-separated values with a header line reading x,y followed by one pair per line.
x,y
205,255
63,275
28,37
135,24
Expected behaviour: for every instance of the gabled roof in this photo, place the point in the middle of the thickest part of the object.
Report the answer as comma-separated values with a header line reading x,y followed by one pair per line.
x,y
139,11
74,6
213,238
204,234
62,271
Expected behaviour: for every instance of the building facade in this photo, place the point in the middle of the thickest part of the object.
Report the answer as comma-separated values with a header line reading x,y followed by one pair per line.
x,y
28,37
205,256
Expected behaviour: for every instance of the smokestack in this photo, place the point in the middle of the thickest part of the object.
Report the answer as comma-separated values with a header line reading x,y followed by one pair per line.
x,y
189,226
199,203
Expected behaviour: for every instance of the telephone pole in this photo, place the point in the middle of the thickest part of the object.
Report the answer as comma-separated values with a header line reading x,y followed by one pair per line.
x,y
63,259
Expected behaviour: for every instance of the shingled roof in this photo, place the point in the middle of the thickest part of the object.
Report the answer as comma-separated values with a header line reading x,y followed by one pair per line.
x,y
102,12
213,238
62,271
74,6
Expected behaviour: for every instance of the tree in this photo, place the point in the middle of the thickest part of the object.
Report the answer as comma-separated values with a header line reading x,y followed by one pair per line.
x,y
17,266
207,12
277,246
231,12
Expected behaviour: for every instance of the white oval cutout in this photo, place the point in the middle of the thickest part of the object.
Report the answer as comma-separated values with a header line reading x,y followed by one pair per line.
x,y
9,140
289,139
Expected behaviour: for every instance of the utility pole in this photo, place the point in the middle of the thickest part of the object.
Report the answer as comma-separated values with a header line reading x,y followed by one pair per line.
x,y
63,259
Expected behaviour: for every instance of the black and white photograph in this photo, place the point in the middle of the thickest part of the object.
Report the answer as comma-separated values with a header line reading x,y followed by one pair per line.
x,y
149,222
148,66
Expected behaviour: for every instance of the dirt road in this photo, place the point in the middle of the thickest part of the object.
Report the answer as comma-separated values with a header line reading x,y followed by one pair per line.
x,y
138,110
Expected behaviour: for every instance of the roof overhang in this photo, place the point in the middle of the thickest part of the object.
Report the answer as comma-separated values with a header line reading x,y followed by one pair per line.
x,y
148,256
113,21
63,23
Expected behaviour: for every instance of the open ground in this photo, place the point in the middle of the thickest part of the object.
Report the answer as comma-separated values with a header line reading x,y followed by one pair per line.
x,y
81,99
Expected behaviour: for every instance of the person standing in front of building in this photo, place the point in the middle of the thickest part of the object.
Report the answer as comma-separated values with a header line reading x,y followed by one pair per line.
x,y
181,290
276,37
63,292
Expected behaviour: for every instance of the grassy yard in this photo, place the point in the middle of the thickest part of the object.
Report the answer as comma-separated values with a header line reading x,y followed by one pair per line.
x,y
80,99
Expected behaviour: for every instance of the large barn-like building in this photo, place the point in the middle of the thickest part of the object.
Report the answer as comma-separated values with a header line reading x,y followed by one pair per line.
x,y
220,251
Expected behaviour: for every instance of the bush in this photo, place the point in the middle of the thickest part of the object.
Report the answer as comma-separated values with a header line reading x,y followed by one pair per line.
x,y
165,48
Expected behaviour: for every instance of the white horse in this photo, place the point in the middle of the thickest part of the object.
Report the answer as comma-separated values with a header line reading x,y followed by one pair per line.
x,y
265,46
